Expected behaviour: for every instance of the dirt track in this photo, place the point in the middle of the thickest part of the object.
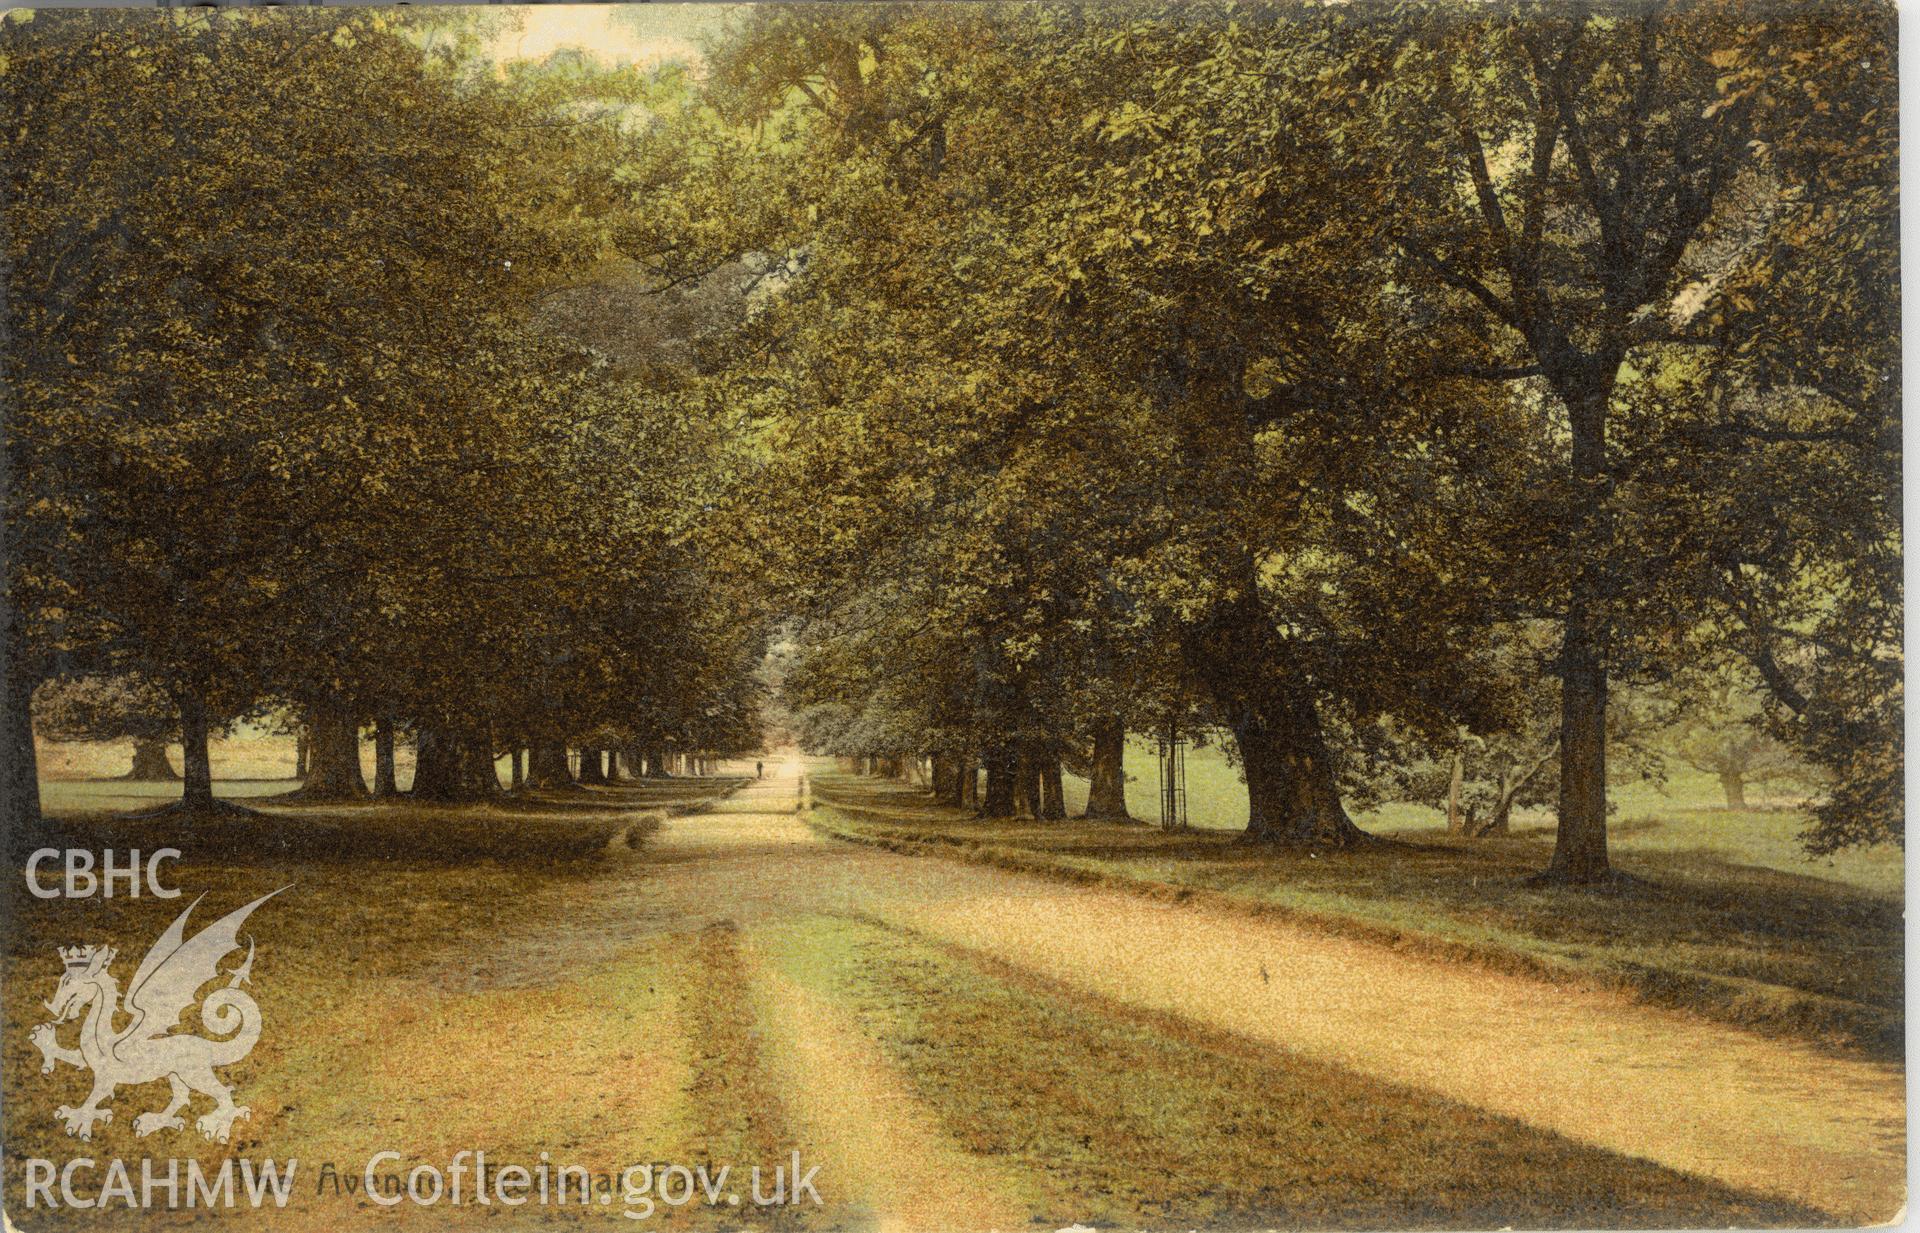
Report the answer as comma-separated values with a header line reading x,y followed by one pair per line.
x,y
1763,1115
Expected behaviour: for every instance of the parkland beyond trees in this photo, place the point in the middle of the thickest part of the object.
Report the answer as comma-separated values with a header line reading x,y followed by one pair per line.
x,y
1425,400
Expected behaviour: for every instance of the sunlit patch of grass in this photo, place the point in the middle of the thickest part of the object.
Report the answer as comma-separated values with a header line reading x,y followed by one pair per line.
x,y
248,759
1683,812
79,778
1107,1117
1806,956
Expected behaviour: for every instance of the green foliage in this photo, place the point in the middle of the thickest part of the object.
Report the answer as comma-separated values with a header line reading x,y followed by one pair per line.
x,y
1176,364
1360,386
1722,731
104,708
287,423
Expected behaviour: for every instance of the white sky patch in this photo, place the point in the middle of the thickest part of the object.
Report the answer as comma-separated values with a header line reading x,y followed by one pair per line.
x,y
643,35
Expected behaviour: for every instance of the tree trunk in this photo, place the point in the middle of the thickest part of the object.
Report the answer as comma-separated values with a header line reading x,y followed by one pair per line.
x,y
300,752
547,766
333,744
454,766
1053,789
196,784
479,777
1580,839
385,784
1500,821
1000,784
150,760
1026,783
1049,783
591,768
1107,783
22,760
1472,826
519,768
1293,796
1456,821
1734,784
656,763
436,763
968,775
946,789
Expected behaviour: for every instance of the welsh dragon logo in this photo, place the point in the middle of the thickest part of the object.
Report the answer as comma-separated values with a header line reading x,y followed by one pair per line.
x,y
146,1048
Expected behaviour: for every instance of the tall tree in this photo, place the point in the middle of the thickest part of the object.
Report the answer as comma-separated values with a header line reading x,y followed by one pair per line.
x,y
1577,200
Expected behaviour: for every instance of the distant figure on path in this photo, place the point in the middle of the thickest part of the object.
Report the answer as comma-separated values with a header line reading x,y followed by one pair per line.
x,y
759,770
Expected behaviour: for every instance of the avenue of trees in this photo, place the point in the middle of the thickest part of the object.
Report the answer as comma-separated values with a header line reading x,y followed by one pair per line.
x,y
289,435
1421,400
1379,387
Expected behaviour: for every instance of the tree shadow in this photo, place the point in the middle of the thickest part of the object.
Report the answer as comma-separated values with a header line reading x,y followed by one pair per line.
x,y
1697,921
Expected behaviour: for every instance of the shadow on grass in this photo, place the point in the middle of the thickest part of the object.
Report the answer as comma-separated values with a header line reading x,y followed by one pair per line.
x,y
1804,955
1146,1120
543,827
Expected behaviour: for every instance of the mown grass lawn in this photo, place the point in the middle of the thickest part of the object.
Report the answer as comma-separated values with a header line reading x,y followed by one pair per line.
x,y
442,979
1684,813
1127,1120
1815,957
419,990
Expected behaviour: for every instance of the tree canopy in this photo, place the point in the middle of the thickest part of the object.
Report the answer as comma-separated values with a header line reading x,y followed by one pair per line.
x,y
1409,394
1288,370
289,425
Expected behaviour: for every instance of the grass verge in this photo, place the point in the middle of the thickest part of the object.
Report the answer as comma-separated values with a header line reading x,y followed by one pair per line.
x,y
1101,1116
422,991
1781,953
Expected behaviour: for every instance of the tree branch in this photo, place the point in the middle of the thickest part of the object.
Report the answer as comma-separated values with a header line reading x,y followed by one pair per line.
x,y
1460,279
